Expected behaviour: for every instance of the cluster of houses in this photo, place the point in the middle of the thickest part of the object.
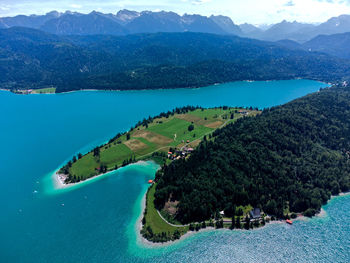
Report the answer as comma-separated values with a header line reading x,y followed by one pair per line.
x,y
256,215
179,154
243,112
23,91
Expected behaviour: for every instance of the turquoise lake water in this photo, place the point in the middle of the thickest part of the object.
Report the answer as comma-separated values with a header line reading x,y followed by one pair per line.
x,y
97,223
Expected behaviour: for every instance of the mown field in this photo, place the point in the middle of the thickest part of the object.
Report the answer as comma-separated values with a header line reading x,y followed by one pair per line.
x,y
157,135
43,91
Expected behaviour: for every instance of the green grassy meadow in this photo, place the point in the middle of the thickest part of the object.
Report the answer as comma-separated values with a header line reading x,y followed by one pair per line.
x,y
43,91
157,136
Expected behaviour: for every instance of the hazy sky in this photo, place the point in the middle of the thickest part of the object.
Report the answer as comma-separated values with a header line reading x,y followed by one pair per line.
x,y
252,11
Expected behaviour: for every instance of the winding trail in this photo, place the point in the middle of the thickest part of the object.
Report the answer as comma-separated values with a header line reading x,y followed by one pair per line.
x,y
166,221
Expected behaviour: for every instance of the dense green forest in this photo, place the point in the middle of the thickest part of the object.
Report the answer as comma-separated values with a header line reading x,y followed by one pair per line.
x,y
289,158
33,59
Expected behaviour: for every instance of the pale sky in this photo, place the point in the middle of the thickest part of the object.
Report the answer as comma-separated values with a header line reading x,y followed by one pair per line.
x,y
241,11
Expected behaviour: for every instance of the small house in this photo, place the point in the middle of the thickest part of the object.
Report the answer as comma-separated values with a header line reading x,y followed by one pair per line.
x,y
255,213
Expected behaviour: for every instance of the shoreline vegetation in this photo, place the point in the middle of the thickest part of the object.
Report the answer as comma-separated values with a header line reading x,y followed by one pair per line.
x,y
150,243
59,179
170,135
295,168
157,229
52,90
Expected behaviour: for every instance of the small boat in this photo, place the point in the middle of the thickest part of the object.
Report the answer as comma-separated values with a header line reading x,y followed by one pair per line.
x,y
289,222
62,204
150,181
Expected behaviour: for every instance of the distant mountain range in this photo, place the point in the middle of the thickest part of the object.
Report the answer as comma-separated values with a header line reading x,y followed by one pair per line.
x,y
124,22
131,22
31,58
301,32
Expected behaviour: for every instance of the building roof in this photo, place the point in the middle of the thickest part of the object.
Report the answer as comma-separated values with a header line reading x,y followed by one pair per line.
x,y
255,213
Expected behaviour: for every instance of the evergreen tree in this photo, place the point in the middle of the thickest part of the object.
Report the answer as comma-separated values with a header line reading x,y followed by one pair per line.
x,y
247,222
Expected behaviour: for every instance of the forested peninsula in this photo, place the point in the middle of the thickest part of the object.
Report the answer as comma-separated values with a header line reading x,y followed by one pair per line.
x,y
290,159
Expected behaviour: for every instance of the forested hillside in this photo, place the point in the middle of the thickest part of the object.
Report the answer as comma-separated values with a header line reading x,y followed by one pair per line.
x,y
289,158
335,45
33,59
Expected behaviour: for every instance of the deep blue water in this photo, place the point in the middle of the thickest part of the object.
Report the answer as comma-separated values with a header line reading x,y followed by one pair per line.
x,y
98,220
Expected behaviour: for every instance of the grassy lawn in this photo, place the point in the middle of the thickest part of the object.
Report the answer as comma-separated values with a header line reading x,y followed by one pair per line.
x,y
185,135
212,114
115,155
153,219
171,127
180,128
85,167
42,91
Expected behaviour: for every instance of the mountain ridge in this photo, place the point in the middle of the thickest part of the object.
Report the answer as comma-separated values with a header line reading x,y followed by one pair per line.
x,y
32,59
130,22
124,21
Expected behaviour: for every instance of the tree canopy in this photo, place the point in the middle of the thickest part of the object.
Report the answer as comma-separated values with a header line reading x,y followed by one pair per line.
x,y
32,59
292,157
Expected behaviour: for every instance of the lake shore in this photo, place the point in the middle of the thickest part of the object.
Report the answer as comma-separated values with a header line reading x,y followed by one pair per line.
x,y
164,89
58,179
145,242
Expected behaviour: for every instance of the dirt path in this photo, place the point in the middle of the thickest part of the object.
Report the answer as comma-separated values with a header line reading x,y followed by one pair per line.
x,y
170,223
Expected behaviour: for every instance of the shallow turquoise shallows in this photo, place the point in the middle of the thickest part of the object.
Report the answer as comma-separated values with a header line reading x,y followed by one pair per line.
x,y
97,221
